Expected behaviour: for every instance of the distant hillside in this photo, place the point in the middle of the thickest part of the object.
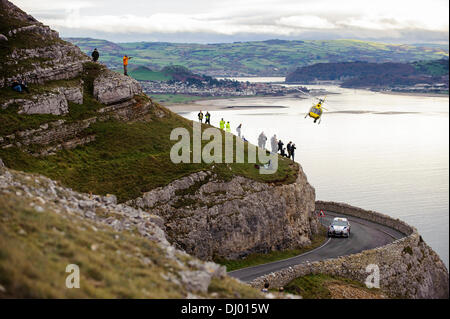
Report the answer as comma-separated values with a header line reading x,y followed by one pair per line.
x,y
364,74
142,73
272,57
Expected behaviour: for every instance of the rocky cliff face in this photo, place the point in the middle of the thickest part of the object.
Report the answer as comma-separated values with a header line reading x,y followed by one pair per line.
x,y
62,82
210,218
34,52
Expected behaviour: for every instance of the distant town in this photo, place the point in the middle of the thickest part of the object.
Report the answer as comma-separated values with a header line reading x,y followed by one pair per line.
x,y
205,88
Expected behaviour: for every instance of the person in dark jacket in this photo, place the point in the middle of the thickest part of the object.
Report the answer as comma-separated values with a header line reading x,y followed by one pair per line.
x,y
207,118
293,148
280,145
95,55
288,146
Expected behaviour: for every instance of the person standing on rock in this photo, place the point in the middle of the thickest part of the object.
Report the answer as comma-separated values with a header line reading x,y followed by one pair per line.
x,y
222,124
238,129
207,118
95,55
200,116
125,64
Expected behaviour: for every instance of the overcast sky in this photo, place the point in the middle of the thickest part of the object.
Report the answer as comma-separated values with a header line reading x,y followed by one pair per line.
x,y
208,21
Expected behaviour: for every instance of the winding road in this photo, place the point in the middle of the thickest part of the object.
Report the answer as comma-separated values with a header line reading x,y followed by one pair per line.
x,y
364,235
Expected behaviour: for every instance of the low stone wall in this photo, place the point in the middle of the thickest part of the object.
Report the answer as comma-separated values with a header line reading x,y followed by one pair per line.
x,y
370,215
408,267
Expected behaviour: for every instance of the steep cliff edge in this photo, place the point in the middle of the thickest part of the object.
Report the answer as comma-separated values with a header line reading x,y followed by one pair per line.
x,y
210,218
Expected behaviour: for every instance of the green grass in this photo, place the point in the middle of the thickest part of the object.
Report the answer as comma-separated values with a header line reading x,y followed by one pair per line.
x,y
145,74
128,159
317,287
37,247
258,259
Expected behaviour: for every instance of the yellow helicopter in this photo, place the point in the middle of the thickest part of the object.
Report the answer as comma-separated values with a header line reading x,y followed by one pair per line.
x,y
316,110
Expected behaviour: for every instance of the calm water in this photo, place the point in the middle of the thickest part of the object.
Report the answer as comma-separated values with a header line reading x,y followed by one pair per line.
x,y
388,153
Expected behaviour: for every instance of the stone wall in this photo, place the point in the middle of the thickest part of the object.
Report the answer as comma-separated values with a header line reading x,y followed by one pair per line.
x,y
408,267
211,218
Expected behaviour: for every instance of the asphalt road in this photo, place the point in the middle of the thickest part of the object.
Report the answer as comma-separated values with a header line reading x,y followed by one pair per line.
x,y
363,235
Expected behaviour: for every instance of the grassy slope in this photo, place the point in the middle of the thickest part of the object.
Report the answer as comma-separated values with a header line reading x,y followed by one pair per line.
x,y
321,286
258,259
36,248
126,159
259,57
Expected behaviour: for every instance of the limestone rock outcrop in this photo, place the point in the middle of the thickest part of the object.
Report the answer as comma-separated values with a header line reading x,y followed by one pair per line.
x,y
50,103
44,58
211,218
111,87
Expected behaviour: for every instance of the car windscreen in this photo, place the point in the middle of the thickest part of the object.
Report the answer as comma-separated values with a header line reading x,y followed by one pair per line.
x,y
339,223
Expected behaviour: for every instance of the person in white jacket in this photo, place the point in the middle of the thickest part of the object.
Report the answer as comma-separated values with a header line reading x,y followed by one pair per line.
x,y
274,143
262,140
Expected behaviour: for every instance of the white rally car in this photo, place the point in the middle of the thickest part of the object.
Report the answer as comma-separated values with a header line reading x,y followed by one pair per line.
x,y
339,227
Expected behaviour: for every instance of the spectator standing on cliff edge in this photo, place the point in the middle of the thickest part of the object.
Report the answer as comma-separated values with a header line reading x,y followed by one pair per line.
x,y
95,55
207,118
125,64
274,143
262,140
280,146
293,148
228,127
289,149
238,129
200,116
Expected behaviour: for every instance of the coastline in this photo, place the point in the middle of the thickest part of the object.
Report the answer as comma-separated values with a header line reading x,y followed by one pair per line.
x,y
413,94
216,103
